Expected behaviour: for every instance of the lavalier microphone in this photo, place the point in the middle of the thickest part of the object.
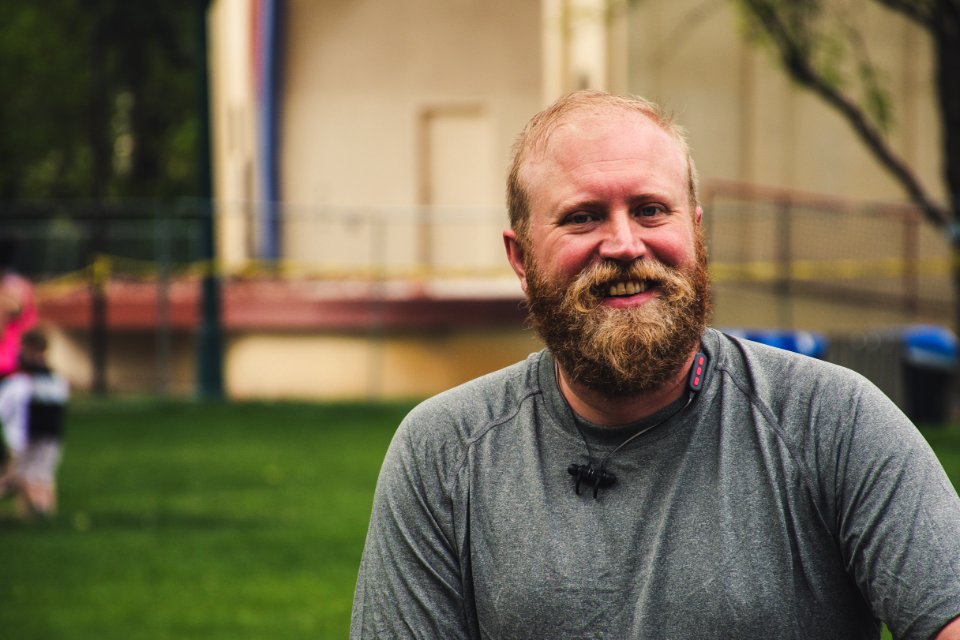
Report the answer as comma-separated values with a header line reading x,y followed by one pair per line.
x,y
587,474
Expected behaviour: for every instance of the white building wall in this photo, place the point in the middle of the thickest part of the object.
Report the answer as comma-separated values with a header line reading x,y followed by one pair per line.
x,y
366,90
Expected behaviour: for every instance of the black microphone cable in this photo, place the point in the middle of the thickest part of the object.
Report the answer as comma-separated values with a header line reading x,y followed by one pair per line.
x,y
598,476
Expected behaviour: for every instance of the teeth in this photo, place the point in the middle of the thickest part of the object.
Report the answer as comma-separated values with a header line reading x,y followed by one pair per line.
x,y
627,288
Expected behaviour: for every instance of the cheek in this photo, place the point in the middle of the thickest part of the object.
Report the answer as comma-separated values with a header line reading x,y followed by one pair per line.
x,y
675,249
567,261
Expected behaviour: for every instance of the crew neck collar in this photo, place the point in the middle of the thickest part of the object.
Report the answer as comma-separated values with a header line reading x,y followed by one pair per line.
x,y
611,436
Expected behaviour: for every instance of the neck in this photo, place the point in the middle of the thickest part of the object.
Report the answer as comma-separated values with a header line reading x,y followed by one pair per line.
x,y
610,411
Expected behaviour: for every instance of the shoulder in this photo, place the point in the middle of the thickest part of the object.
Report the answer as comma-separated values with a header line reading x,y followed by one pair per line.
x,y
823,413
435,437
811,406
468,409
783,380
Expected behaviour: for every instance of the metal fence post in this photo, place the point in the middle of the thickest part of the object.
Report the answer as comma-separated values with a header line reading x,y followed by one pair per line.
x,y
99,279
785,262
210,335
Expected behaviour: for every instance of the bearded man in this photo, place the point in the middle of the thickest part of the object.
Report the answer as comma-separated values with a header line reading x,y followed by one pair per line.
x,y
646,476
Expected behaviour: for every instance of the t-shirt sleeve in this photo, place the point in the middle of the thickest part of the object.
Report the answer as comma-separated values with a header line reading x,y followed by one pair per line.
x,y
898,519
409,584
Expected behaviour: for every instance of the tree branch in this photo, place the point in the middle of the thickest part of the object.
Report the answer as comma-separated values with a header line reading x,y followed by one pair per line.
x,y
916,10
795,59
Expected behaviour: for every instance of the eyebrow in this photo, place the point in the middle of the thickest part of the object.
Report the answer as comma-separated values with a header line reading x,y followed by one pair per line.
x,y
594,204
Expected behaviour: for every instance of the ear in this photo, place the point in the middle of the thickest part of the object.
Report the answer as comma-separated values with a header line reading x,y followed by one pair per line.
x,y
515,256
698,215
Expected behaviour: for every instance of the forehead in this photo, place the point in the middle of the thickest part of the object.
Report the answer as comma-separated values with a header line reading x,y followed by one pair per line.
x,y
611,132
609,135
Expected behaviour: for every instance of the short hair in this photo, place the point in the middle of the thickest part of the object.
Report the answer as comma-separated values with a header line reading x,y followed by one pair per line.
x,y
541,126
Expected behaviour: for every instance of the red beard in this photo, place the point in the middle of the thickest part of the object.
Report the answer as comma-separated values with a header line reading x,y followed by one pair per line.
x,y
622,351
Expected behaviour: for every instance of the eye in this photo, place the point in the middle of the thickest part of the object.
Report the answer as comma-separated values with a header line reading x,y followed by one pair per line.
x,y
649,210
580,217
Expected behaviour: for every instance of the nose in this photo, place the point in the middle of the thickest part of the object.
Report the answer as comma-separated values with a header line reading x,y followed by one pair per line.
x,y
622,240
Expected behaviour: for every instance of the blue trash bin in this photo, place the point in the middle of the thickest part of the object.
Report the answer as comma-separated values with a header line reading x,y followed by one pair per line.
x,y
929,367
806,342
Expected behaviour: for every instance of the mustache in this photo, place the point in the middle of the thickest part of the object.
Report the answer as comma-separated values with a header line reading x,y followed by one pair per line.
x,y
589,288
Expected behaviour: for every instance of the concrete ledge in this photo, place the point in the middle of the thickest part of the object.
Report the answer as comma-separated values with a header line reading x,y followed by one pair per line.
x,y
279,305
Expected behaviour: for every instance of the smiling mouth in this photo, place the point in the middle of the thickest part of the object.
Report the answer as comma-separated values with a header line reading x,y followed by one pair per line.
x,y
628,288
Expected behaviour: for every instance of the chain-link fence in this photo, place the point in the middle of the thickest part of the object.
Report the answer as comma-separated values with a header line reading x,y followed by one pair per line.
x,y
88,257
874,255
60,238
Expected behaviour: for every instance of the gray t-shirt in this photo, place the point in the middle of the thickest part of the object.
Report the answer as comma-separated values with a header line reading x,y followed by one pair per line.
x,y
790,499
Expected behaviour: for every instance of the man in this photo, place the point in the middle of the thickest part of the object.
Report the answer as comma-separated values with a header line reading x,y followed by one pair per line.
x,y
648,477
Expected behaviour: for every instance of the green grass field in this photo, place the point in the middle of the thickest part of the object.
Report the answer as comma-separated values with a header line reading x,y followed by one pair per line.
x,y
209,521
214,521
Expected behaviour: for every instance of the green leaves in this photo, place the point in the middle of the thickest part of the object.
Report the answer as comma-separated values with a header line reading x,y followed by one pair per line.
x,y
825,40
100,99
